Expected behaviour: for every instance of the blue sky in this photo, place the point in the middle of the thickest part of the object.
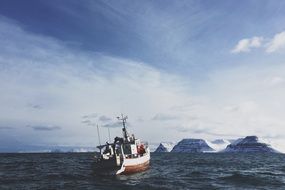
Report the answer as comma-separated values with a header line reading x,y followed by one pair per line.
x,y
179,69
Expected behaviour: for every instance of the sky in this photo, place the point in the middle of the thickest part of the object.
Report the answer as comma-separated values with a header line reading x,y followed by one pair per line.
x,y
178,69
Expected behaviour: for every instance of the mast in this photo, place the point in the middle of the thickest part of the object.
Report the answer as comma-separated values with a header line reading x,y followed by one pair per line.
x,y
98,136
124,120
109,134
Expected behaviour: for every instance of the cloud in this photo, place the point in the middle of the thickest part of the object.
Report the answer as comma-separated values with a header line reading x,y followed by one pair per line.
x,y
35,106
90,116
102,121
104,118
97,119
113,125
270,45
69,83
245,45
197,130
277,43
243,107
44,128
164,117
168,34
87,122
274,80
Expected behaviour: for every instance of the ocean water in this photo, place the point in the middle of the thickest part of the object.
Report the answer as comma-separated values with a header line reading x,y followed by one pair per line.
x,y
167,171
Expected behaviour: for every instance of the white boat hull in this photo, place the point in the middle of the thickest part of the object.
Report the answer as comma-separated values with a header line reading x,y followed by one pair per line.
x,y
133,165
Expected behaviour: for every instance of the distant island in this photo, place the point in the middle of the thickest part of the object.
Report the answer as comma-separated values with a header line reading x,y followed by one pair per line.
x,y
192,145
189,145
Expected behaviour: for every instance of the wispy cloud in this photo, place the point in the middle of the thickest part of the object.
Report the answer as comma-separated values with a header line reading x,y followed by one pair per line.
x,y
44,128
270,45
87,122
247,44
165,117
113,124
196,130
97,119
274,80
104,118
35,106
106,122
277,43
90,116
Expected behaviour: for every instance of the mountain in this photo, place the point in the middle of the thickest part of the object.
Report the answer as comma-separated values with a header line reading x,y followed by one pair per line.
x,y
56,149
192,145
219,144
165,147
249,144
220,141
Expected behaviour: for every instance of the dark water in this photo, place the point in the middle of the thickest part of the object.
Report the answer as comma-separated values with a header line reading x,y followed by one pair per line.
x,y
167,171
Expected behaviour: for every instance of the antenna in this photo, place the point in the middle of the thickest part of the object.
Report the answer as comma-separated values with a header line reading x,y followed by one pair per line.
x,y
124,120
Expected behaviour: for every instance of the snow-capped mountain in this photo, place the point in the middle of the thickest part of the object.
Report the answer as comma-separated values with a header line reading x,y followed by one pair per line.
x,y
58,149
220,141
249,144
192,145
165,147
219,144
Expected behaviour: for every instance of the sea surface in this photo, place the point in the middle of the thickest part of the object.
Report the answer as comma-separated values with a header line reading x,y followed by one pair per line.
x,y
167,171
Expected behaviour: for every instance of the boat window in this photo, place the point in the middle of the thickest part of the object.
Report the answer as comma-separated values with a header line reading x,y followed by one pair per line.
x,y
127,149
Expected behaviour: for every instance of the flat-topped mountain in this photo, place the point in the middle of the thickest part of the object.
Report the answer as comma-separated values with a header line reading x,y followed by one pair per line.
x,y
192,146
249,144
165,147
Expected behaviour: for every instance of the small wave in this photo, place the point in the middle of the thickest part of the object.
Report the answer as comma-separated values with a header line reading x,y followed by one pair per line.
x,y
282,168
196,173
271,173
250,179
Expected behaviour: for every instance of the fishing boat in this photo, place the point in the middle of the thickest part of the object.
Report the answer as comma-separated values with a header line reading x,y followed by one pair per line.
x,y
126,155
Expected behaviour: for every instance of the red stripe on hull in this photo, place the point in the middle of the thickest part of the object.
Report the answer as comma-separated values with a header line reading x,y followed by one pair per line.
x,y
136,168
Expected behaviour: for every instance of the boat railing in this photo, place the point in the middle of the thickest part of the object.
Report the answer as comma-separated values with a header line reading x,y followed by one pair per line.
x,y
145,144
138,154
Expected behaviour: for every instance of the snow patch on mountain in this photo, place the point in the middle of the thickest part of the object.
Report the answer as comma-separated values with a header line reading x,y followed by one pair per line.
x,y
219,144
165,147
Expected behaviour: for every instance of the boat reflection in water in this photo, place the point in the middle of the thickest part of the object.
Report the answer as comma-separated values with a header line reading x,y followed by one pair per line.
x,y
126,155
